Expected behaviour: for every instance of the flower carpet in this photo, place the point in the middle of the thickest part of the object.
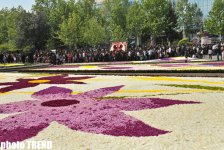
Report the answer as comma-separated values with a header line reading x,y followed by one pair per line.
x,y
112,112
162,60
138,67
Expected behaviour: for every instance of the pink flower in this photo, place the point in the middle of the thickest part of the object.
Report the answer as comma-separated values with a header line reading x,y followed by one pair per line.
x,y
116,68
83,112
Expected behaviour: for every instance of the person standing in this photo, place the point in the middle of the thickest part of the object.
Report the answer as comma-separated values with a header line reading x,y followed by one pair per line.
x,y
210,52
186,53
219,53
222,50
1,58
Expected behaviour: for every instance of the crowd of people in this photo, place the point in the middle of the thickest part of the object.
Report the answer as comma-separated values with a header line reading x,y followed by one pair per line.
x,y
103,55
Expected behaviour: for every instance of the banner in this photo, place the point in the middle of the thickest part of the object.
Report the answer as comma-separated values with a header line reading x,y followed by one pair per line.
x,y
206,40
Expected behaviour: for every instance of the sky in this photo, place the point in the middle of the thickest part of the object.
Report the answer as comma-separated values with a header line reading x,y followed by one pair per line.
x,y
205,5
26,4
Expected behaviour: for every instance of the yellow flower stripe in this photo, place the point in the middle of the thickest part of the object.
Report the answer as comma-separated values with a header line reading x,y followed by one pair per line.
x,y
16,93
136,62
137,91
74,93
173,79
167,91
10,65
88,67
38,81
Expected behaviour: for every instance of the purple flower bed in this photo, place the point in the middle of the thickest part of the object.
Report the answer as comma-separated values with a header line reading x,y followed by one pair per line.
x,y
83,112
174,65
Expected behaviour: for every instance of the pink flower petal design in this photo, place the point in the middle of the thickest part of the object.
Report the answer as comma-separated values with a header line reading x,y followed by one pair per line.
x,y
19,128
18,107
131,104
100,92
52,93
82,112
109,123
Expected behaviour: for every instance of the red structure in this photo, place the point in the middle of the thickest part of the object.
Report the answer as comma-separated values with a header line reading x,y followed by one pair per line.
x,y
119,46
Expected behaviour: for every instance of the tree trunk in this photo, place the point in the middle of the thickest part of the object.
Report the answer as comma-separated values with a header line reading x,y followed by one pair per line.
x,y
168,41
153,40
75,46
138,40
184,33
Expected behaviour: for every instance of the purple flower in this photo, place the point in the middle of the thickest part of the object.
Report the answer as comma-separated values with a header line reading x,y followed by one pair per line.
x,y
83,112
116,68
65,66
173,65
25,83
214,64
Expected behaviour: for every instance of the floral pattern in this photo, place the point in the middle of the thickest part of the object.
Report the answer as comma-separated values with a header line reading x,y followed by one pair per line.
x,y
151,66
26,83
83,112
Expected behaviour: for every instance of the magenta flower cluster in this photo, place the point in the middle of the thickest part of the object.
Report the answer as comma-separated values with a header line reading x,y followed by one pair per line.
x,y
83,112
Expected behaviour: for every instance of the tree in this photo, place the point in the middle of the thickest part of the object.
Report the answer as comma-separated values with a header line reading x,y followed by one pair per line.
x,y
171,24
8,27
3,26
117,22
43,5
135,21
69,32
182,9
26,28
93,33
189,17
155,20
33,30
197,18
215,22
13,17
42,30
88,9
118,34
119,13
56,11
